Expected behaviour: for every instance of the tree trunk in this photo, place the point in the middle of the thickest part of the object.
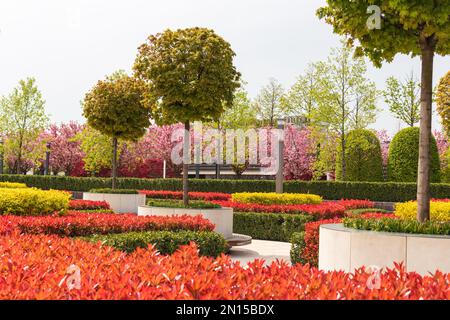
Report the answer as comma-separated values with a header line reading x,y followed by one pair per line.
x,y
423,176
343,162
114,163
186,161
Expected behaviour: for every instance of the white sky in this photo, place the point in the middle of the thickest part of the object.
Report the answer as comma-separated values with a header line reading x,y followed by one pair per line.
x,y
69,45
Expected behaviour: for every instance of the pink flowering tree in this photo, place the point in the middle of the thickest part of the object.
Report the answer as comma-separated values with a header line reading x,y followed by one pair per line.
x,y
443,147
299,153
385,141
65,149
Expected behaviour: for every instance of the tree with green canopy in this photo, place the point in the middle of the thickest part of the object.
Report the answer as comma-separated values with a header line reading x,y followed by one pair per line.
x,y
190,77
403,99
269,103
22,118
115,108
415,27
443,101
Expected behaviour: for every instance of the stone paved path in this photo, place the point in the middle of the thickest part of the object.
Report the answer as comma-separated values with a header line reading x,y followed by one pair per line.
x,y
259,249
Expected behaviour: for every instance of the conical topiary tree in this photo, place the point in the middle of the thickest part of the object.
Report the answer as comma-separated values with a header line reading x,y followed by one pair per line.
x,y
404,157
362,157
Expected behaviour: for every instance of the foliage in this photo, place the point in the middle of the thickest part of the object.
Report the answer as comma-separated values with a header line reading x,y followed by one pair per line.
x,y
178,195
299,153
399,225
80,224
147,275
403,99
439,211
169,203
65,149
166,242
404,157
301,99
114,107
298,245
114,191
32,202
443,101
84,205
22,118
269,226
317,211
241,115
198,83
269,103
12,185
276,199
362,157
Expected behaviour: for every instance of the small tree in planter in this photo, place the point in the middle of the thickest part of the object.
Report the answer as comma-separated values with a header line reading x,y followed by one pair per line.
x,y
191,77
115,108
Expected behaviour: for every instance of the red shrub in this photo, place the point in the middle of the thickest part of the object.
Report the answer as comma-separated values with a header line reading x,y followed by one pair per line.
x,y
45,267
326,210
82,224
356,204
206,196
88,205
311,251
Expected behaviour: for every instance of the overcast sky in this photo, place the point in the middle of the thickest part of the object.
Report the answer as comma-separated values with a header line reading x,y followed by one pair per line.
x,y
69,45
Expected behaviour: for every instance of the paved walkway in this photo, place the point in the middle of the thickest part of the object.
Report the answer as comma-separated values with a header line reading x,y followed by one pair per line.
x,y
259,249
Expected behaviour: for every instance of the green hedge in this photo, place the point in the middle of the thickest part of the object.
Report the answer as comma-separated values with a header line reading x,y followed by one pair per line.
x,y
297,247
178,204
330,190
398,225
269,226
209,243
114,191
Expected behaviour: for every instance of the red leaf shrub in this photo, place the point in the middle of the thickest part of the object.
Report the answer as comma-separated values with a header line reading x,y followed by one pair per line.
x,y
44,267
78,224
356,204
310,253
88,205
178,195
326,210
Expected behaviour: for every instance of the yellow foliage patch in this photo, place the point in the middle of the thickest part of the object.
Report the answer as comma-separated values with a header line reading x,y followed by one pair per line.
x,y
32,201
439,211
12,185
276,199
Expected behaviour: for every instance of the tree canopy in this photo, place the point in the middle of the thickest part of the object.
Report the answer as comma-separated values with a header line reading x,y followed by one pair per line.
x,y
443,101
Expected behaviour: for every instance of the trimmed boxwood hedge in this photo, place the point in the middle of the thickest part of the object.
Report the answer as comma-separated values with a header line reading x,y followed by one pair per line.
x,y
404,157
330,190
269,226
166,242
297,247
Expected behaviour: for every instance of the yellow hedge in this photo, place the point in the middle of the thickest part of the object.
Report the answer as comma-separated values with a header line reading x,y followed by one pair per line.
x,y
32,202
439,211
12,185
276,199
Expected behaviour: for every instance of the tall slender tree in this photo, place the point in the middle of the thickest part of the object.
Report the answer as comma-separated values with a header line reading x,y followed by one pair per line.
x,y
443,101
22,118
268,103
416,27
403,99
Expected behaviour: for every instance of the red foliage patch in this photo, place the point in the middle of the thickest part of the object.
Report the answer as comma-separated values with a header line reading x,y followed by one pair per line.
x,y
48,267
326,210
88,205
356,204
178,195
77,224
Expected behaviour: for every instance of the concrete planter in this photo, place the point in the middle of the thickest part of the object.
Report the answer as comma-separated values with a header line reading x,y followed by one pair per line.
x,y
120,203
222,218
346,249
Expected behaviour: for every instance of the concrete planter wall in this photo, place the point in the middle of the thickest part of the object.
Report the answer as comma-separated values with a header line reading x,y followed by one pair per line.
x,y
346,249
120,203
222,218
